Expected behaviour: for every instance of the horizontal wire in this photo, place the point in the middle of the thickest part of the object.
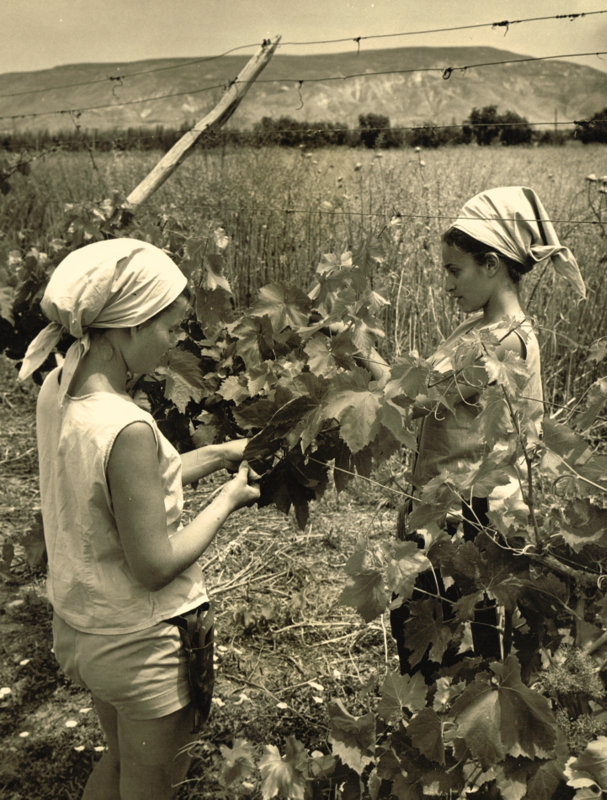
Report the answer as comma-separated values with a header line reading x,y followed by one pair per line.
x,y
500,24
257,210
124,76
445,71
393,214
356,39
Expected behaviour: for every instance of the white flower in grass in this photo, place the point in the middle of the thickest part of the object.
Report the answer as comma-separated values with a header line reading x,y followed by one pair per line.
x,y
24,734
5,691
591,178
100,748
79,748
221,238
70,723
24,661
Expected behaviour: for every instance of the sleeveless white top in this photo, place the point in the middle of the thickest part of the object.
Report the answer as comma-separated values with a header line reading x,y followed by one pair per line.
x,y
90,584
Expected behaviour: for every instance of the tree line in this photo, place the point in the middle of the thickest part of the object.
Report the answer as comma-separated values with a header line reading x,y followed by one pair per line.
x,y
483,126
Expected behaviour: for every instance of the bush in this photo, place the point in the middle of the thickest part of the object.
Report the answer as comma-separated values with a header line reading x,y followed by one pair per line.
x,y
375,132
487,126
593,130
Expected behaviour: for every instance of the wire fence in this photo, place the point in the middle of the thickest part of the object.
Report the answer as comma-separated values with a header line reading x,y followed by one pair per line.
x,y
446,73
505,24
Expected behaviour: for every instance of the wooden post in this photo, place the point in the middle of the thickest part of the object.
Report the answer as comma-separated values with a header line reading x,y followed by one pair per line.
x,y
220,114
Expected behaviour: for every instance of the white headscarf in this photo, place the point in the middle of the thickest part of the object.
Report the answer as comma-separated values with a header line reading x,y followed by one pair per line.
x,y
117,283
513,220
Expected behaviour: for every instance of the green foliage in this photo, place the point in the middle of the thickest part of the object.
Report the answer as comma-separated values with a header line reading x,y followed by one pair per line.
x,y
286,372
486,125
375,132
594,129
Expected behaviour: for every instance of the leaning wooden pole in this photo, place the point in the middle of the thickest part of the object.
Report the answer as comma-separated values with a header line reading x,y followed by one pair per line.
x,y
220,114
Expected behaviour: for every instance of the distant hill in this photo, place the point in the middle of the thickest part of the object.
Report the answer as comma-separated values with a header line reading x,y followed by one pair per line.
x,y
313,88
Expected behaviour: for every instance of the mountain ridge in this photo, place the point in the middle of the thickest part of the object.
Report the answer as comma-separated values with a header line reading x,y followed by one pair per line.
x,y
410,85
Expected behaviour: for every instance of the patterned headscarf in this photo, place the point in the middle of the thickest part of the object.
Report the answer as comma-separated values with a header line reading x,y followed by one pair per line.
x,y
513,220
118,283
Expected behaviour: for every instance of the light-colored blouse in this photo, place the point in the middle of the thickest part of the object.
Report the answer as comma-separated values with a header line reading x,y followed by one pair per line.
x,y
450,440
90,584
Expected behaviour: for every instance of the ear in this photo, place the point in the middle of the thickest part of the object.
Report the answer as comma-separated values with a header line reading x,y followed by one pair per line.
x,y
492,263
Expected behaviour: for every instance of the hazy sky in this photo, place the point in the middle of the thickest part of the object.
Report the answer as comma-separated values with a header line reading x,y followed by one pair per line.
x,y
37,34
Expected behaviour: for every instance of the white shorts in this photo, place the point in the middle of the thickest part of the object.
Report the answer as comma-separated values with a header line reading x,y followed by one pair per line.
x,y
142,674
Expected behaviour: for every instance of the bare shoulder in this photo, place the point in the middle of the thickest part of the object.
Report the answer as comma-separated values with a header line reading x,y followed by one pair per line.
x,y
513,342
133,448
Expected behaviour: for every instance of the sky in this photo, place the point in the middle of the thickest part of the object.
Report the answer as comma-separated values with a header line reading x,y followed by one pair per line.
x,y
39,34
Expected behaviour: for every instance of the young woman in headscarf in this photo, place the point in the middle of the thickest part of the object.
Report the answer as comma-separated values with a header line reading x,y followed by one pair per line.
x,y
499,235
122,574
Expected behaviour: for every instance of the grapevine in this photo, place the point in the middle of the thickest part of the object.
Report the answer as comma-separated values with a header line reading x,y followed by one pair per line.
x,y
279,374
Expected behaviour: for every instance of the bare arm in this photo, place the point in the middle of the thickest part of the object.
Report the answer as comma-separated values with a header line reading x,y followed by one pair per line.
x,y
199,463
138,503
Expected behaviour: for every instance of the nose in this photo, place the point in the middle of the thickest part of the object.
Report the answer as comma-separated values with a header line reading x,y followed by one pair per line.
x,y
449,284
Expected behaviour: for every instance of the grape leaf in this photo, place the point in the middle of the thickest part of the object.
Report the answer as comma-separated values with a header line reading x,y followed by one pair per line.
x,y
355,406
477,715
425,629
254,339
343,472
590,764
184,378
583,523
510,719
232,389
595,401
289,417
597,350
425,732
543,784
255,414
239,761
320,359
213,306
512,776
283,774
352,738
213,273
507,369
401,691
563,441
406,562
293,482
364,590
286,306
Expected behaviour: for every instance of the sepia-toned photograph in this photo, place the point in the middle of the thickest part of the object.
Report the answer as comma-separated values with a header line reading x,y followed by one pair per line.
x,y
303,400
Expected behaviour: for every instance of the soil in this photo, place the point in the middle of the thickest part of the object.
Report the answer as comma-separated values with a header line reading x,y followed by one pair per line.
x,y
284,644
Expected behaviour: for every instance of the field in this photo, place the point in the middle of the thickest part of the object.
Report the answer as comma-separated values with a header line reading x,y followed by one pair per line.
x,y
283,209
284,643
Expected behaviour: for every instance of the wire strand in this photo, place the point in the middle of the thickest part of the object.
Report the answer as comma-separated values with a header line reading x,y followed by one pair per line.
x,y
357,39
446,72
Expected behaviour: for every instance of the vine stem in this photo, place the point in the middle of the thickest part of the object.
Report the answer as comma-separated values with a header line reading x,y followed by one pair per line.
x,y
581,477
364,478
530,499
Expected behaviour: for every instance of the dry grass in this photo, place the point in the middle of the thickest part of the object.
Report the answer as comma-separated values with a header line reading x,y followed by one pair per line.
x,y
284,644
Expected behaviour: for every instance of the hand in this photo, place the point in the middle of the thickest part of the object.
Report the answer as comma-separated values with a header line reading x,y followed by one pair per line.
x,y
232,453
239,491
